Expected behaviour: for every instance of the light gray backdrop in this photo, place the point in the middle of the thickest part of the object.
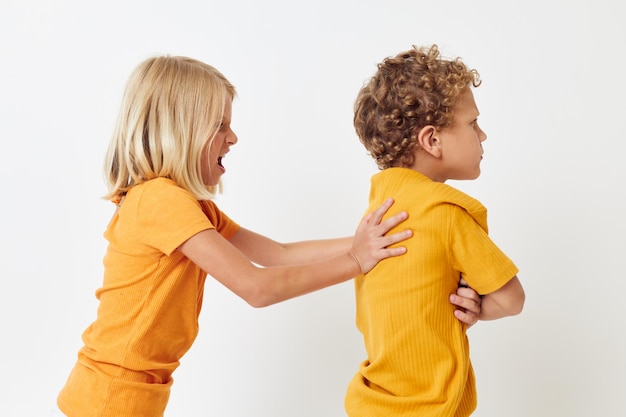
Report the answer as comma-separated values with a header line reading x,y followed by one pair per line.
x,y
552,104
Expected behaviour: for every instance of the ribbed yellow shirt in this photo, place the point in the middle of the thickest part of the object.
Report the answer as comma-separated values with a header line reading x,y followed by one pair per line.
x,y
149,304
417,352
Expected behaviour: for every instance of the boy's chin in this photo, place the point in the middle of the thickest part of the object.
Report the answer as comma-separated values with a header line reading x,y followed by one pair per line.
x,y
469,177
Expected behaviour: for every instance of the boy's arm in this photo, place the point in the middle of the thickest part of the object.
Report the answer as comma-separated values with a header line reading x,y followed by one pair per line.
x,y
507,301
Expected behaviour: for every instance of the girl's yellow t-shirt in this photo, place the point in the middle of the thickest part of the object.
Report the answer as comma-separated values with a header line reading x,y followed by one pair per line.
x,y
149,304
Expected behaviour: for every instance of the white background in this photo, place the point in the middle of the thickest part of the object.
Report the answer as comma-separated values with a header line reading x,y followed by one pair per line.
x,y
552,104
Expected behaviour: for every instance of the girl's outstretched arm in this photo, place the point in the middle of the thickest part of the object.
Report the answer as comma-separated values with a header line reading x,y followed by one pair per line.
x,y
267,252
265,286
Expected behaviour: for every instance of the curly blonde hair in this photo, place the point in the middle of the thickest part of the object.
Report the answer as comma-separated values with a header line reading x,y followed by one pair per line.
x,y
414,89
172,106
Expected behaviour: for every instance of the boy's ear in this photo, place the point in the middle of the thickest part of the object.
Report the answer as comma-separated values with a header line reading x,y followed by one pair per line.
x,y
428,141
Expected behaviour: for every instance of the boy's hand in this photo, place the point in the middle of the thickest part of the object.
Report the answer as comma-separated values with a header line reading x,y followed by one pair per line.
x,y
468,302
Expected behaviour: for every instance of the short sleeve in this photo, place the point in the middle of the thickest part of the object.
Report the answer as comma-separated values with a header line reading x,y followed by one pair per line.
x,y
224,225
163,215
483,265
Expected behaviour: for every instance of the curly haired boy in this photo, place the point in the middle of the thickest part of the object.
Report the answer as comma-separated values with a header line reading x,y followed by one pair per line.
x,y
418,119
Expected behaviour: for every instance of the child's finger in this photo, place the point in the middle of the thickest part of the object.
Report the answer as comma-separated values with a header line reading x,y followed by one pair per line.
x,y
393,221
377,215
397,237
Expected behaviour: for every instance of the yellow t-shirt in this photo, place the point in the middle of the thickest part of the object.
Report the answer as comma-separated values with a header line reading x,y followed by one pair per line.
x,y
149,304
417,352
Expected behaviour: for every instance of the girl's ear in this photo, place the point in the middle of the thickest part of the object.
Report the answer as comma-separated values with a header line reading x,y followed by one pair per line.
x,y
428,141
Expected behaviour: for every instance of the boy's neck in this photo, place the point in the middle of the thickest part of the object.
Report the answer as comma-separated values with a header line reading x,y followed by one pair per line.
x,y
428,169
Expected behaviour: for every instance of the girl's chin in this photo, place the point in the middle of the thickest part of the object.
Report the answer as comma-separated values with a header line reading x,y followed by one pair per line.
x,y
211,182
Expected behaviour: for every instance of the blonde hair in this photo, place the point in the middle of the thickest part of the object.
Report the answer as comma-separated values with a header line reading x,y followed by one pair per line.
x,y
171,107
412,90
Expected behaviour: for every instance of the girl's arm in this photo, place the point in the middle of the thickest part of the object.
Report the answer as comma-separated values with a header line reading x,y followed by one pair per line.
x,y
265,286
507,301
267,252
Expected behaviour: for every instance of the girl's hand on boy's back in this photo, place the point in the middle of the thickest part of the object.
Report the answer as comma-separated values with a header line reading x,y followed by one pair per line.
x,y
371,242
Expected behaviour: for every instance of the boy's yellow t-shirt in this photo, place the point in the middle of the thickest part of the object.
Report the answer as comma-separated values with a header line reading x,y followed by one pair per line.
x,y
418,360
149,304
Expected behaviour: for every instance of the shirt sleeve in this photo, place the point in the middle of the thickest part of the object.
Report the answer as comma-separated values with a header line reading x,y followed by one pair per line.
x,y
224,225
168,215
483,265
